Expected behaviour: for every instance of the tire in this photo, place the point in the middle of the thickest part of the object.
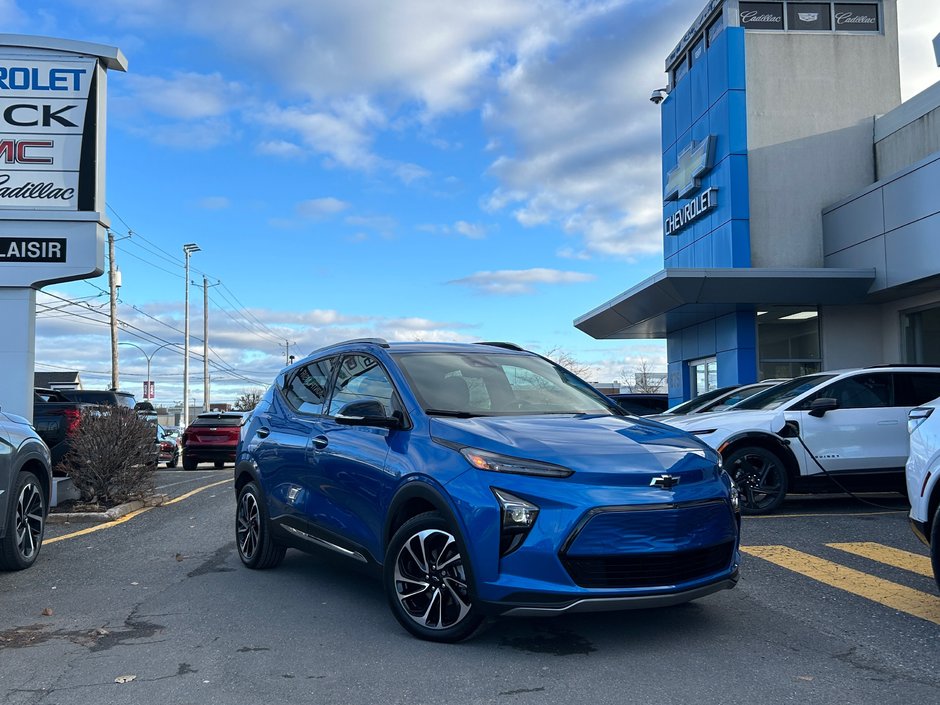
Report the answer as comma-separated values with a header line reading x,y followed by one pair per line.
x,y
256,546
761,478
189,463
935,546
26,523
174,461
431,599
219,464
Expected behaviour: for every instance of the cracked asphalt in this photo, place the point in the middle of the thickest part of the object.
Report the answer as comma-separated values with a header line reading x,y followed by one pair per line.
x,y
163,603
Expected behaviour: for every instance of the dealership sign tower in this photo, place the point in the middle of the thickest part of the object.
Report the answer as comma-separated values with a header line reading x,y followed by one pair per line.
x,y
52,155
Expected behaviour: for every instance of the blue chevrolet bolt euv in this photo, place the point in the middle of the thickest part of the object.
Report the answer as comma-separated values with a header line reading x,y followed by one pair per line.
x,y
484,480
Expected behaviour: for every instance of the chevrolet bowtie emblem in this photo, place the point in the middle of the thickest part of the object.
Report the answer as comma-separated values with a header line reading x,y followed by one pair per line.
x,y
694,160
665,482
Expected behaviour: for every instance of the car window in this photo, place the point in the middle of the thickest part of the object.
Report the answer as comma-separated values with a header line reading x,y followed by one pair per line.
x,y
915,388
227,420
499,383
306,388
782,393
864,391
361,378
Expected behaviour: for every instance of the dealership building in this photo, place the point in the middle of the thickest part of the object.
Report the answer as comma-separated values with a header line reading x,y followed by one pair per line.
x,y
801,200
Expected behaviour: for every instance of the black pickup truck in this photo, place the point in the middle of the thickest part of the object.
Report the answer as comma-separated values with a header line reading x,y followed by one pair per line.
x,y
56,414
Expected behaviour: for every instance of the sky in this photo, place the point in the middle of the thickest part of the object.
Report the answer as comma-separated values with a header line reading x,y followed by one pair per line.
x,y
412,170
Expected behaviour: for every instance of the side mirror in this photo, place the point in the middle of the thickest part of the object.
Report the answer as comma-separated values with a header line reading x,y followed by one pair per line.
x,y
366,413
820,406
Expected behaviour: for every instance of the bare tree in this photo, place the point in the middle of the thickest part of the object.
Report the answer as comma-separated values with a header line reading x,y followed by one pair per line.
x,y
645,380
112,456
248,400
566,360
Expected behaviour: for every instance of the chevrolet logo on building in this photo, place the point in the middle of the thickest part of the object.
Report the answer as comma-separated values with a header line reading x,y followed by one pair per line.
x,y
695,160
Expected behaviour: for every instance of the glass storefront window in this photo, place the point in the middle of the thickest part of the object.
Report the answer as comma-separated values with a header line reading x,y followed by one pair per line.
x,y
703,375
920,332
788,342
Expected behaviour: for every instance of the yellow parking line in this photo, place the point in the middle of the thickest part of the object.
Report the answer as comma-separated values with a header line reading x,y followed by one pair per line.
x,y
97,527
898,597
895,557
197,491
129,516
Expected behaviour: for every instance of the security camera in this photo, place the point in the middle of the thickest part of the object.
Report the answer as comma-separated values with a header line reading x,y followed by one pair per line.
x,y
658,96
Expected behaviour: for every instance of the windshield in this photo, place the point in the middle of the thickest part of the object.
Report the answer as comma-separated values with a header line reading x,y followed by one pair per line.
x,y
498,384
785,391
687,407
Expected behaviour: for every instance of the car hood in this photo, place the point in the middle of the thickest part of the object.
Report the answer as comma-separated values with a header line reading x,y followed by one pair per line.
x,y
770,420
584,443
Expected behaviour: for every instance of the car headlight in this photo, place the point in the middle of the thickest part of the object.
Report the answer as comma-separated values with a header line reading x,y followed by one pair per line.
x,y
496,462
517,516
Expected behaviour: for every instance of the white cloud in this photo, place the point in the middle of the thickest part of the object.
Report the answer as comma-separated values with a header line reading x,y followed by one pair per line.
x,y
320,207
470,230
280,148
183,96
520,281
214,203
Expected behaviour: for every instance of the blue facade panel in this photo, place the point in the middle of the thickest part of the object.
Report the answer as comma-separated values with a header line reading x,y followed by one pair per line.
x,y
710,100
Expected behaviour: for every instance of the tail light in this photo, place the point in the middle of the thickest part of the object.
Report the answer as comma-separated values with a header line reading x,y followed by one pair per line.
x,y
165,446
72,417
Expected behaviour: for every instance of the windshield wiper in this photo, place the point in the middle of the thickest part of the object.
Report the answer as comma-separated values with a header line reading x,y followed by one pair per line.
x,y
451,412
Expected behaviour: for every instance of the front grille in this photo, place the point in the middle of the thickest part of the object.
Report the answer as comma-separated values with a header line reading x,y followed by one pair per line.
x,y
641,570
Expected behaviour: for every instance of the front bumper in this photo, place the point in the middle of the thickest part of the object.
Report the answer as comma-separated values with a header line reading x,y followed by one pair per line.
x,y
595,548
610,604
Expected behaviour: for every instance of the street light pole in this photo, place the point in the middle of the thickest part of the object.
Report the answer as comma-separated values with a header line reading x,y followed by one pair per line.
x,y
188,249
144,353
205,343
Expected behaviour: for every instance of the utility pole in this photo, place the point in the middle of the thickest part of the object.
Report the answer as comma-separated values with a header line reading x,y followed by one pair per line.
x,y
288,358
205,343
113,285
188,249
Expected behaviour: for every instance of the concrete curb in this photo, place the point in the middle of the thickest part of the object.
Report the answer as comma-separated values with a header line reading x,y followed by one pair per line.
x,y
111,514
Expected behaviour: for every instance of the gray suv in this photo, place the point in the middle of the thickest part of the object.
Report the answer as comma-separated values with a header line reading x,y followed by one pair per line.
x,y
25,484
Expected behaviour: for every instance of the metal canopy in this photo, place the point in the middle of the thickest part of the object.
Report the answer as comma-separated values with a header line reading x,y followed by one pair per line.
x,y
676,298
112,57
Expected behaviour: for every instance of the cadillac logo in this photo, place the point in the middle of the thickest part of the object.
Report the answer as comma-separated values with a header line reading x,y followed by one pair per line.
x,y
808,16
665,482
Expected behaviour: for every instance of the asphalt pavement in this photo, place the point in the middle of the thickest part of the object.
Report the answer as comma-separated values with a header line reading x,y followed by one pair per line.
x,y
158,609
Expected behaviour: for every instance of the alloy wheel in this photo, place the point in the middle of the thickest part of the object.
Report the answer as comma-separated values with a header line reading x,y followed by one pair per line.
x,y
430,580
29,520
761,480
248,530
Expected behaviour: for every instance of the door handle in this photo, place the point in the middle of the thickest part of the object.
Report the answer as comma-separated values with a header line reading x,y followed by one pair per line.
x,y
320,442
263,432
888,422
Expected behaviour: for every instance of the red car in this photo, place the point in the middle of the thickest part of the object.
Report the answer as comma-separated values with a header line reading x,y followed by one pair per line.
x,y
211,437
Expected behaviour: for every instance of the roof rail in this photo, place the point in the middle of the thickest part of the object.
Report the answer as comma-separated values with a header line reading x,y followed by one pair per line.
x,y
901,364
507,346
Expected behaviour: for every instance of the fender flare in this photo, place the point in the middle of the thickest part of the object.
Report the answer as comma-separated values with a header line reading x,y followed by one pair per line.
x,y
781,445
245,469
418,488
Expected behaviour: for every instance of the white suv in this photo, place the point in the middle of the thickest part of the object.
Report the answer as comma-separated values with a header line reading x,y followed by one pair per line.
x,y
845,429
923,478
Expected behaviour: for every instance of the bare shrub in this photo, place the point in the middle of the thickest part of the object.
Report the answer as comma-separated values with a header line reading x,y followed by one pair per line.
x,y
112,455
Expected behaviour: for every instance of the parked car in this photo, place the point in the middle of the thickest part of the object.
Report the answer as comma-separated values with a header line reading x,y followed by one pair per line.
x,y
105,397
821,432
211,438
716,399
484,479
25,486
923,478
641,404
55,418
168,450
